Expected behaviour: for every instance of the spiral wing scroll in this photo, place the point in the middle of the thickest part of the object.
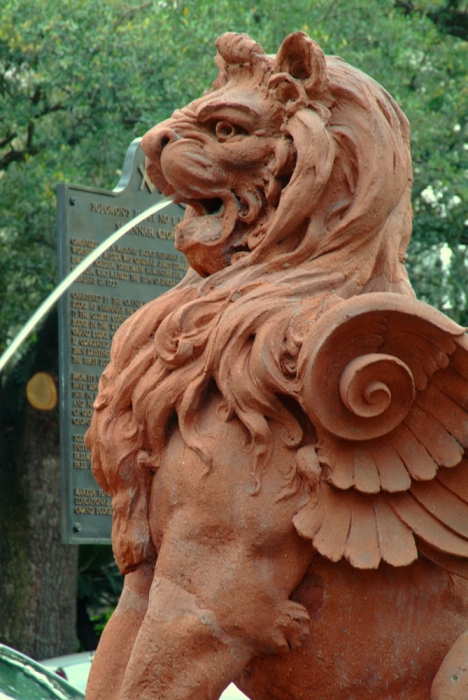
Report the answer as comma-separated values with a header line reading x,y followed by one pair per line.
x,y
384,380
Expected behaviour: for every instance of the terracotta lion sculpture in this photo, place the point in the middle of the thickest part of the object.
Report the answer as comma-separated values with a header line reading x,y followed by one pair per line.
x,y
283,433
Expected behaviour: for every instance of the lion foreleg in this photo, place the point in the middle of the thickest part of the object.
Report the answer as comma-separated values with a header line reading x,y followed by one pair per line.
x,y
181,650
213,606
119,636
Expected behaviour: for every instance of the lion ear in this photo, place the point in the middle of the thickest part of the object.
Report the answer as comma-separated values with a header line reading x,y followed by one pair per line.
x,y
221,78
304,60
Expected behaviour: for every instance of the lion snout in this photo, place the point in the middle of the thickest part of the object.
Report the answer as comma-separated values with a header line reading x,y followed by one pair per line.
x,y
156,139
153,143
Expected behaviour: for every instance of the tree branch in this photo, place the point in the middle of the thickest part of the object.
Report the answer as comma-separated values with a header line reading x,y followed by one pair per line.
x,y
448,19
8,139
12,157
29,139
405,5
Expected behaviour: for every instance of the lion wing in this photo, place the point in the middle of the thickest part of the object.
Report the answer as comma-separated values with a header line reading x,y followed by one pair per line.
x,y
384,379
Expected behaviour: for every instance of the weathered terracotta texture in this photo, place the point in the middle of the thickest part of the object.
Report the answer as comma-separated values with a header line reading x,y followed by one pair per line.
x,y
283,433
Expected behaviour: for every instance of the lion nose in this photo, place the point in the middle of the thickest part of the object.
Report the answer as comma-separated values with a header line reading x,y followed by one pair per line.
x,y
156,140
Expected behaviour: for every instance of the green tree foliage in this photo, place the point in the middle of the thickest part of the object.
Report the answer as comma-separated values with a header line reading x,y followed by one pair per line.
x,y
79,79
99,587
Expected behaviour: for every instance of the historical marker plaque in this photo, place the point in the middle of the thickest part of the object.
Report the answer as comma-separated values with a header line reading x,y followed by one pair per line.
x,y
140,267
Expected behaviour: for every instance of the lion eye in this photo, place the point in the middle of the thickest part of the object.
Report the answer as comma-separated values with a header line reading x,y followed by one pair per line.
x,y
225,130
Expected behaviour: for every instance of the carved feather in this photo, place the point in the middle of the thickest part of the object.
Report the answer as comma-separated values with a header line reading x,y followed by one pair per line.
x,y
444,449
330,539
444,505
396,542
362,545
429,526
440,406
420,464
456,479
393,474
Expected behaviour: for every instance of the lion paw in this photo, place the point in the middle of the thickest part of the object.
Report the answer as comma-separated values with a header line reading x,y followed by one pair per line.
x,y
292,627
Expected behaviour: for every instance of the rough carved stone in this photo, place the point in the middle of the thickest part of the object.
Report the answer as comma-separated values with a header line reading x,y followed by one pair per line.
x,y
284,432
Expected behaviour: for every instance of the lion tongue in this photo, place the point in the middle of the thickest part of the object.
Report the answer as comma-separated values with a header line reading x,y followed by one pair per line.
x,y
201,241
201,229
204,239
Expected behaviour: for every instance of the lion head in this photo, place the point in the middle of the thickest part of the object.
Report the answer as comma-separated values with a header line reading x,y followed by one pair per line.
x,y
288,160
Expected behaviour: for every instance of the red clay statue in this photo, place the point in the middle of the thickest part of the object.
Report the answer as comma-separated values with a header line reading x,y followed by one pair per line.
x,y
283,433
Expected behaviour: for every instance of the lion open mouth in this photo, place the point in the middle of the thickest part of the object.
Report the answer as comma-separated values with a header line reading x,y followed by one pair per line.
x,y
203,233
214,230
208,207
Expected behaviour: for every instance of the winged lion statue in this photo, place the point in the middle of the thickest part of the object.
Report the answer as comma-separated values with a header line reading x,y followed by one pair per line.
x,y
284,432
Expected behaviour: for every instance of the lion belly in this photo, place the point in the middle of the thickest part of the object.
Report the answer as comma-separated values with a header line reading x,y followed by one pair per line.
x,y
374,634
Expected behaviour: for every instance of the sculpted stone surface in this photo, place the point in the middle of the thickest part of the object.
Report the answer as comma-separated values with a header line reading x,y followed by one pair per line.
x,y
284,432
